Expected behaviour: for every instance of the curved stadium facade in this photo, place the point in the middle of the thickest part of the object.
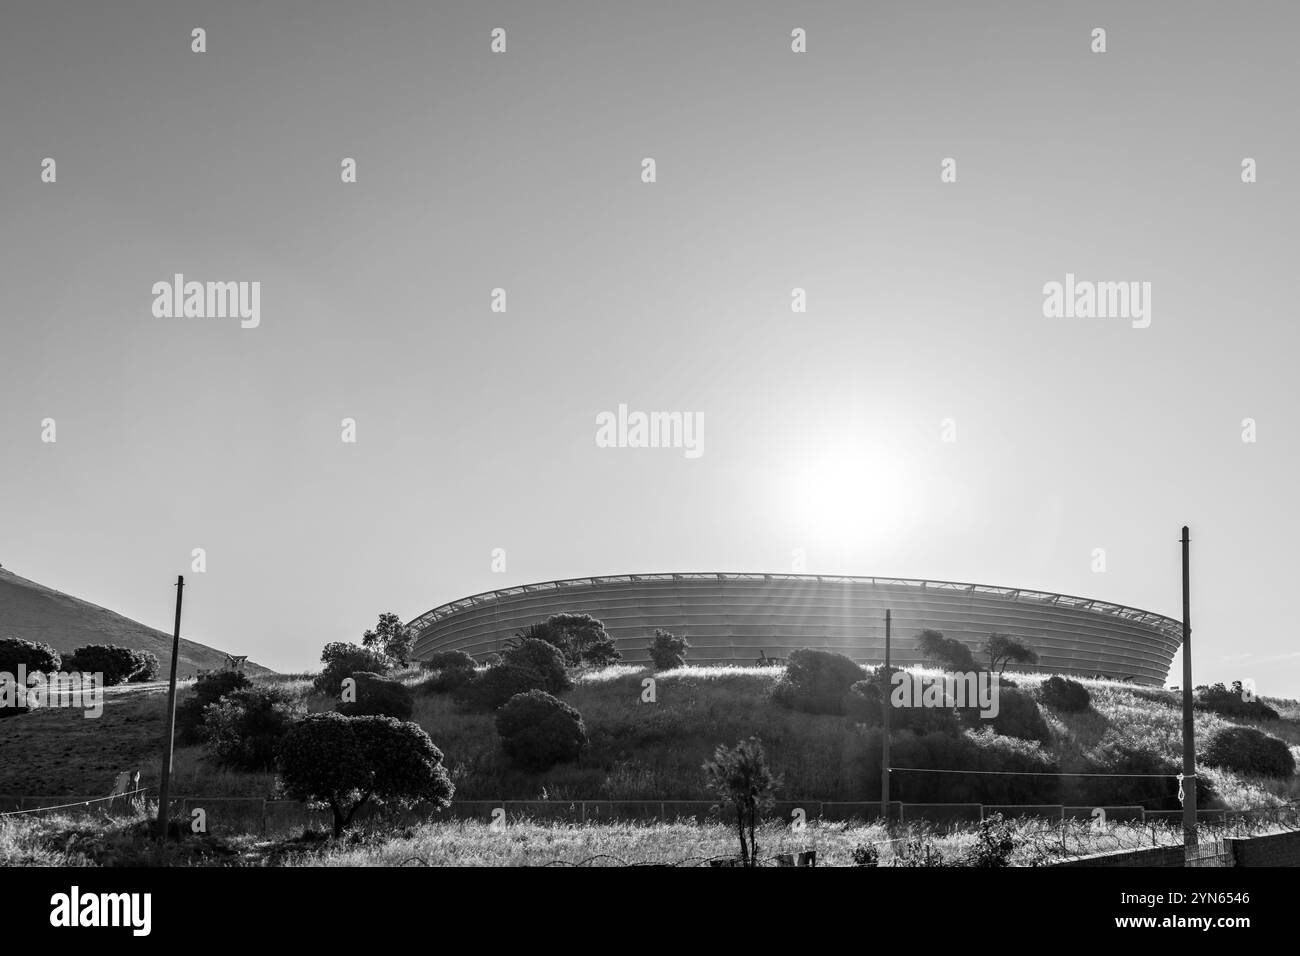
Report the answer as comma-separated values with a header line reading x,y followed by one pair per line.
x,y
738,618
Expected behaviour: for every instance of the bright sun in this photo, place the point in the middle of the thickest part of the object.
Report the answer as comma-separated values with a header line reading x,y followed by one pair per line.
x,y
850,495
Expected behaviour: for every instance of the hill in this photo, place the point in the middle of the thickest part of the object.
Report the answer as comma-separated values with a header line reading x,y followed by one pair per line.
x,y
34,612
643,751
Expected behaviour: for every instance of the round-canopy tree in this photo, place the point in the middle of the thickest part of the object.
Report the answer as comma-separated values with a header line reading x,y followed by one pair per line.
x,y
347,762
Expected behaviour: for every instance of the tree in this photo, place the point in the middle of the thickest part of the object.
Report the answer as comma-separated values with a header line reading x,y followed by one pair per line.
x,y
343,660
347,762
945,652
32,655
742,781
1004,648
538,731
392,637
580,637
117,664
667,650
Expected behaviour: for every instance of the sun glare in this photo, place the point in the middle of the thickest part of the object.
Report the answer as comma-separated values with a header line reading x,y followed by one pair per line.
x,y
851,495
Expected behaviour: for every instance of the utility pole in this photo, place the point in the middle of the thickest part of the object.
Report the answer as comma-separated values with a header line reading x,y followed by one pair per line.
x,y
165,783
884,740
1188,786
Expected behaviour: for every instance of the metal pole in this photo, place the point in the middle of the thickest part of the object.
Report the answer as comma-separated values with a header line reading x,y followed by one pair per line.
x,y
884,740
164,786
1189,732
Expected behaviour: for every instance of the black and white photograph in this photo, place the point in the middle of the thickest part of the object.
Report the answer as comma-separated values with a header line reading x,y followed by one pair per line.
x,y
447,440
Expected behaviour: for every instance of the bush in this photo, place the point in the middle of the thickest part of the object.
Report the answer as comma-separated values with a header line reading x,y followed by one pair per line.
x,y
377,696
448,660
864,703
1249,751
146,667
347,762
1061,693
451,669
343,660
1232,702
994,843
207,690
244,729
1018,716
33,656
496,685
544,658
117,664
667,650
538,730
816,681
1120,784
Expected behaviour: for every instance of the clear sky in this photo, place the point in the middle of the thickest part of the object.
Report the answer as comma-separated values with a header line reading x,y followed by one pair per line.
x,y
775,171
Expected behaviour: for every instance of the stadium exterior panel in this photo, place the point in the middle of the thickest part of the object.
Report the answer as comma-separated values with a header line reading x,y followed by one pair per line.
x,y
740,618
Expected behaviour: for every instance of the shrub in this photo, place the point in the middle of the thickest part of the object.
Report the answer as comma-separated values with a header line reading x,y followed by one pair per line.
x,y
667,650
451,669
816,681
33,656
1120,784
244,729
1249,751
1232,702
448,660
146,667
546,659
866,854
994,843
864,704
207,690
347,762
117,664
1061,693
343,660
1018,716
377,696
496,685
538,731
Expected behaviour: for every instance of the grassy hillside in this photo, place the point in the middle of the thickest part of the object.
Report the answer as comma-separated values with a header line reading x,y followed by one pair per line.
x,y
654,751
637,750
33,612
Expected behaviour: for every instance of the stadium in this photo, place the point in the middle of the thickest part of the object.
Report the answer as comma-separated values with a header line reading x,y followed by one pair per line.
x,y
745,618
